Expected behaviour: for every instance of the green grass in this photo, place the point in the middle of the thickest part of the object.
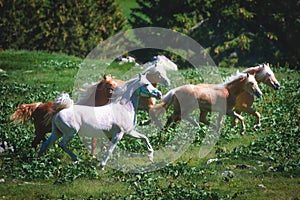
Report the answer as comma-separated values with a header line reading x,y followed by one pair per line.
x,y
39,76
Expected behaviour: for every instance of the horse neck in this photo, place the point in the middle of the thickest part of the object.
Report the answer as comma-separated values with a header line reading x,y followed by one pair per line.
x,y
150,76
254,71
132,105
235,88
102,96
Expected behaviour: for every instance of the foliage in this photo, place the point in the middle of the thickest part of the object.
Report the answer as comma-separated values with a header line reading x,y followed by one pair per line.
x,y
280,146
273,149
235,33
72,27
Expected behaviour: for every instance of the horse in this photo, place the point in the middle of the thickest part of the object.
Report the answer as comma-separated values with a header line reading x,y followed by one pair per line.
x,y
156,72
37,112
244,101
96,121
208,98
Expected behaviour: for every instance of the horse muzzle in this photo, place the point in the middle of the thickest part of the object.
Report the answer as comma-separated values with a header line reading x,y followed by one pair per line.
x,y
258,93
276,86
157,94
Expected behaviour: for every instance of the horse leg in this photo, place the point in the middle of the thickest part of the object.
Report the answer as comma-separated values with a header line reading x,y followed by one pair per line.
x,y
236,120
38,138
192,121
53,137
220,120
203,119
64,142
176,115
94,144
251,111
153,113
113,143
234,114
174,118
138,135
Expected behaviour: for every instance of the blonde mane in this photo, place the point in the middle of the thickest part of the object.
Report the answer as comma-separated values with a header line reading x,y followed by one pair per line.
x,y
261,71
231,79
87,91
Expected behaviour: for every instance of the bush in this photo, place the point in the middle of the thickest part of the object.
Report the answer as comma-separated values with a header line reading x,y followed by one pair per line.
x,y
71,27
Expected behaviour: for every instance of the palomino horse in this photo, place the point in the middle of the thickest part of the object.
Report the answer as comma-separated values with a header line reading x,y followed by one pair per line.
x,y
208,98
37,111
244,101
96,121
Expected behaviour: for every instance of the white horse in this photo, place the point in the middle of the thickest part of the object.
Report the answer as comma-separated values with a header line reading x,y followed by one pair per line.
x,y
114,120
162,60
155,71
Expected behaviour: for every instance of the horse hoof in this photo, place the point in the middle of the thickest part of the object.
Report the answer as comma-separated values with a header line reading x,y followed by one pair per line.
x,y
150,156
101,167
256,127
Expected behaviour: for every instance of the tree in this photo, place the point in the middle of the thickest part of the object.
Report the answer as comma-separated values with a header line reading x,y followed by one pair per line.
x,y
235,33
72,27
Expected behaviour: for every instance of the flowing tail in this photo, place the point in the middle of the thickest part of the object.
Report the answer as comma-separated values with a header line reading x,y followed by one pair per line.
x,y
158,109
62,101
24,112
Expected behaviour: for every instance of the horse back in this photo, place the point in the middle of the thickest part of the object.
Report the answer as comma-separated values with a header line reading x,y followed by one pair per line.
x,y
39,117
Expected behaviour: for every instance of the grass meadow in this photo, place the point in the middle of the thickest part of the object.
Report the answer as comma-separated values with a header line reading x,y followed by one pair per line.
x,y
262,164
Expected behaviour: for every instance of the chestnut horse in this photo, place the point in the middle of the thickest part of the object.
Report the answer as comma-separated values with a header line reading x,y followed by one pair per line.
x,y
244,101
219,98
38,111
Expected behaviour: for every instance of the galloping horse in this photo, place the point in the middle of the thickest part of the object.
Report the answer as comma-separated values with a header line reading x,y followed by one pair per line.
x,y
155,73
208,98
244,101
96,121
37,111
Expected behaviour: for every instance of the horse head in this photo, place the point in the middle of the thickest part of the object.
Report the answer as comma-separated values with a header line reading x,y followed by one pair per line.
x,y
156,72
266,75
109,84
251,85
140,86
146,89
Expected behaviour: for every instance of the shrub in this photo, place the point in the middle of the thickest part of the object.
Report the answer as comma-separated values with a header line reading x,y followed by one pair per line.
x,y
72,27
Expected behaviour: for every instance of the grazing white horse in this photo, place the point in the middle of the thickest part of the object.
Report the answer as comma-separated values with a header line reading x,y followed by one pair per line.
x,y
114,120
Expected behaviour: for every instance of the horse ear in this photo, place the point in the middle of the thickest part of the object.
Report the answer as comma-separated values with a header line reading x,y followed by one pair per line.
x,y
107,76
